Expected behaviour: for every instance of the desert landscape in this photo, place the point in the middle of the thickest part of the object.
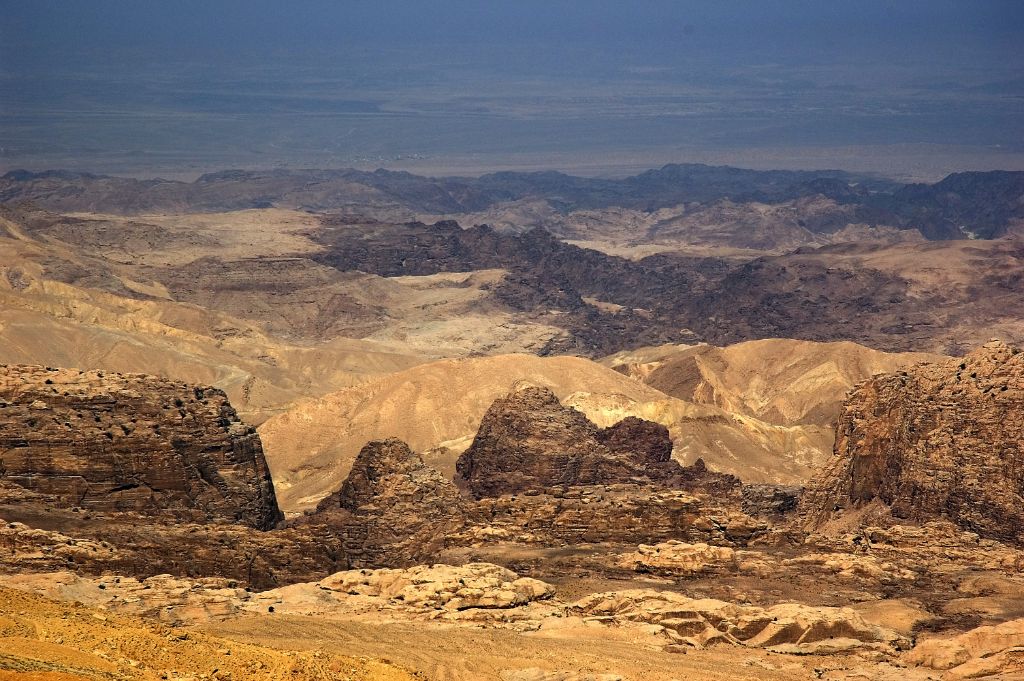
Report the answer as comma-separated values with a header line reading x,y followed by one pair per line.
x,y
532,341
593,442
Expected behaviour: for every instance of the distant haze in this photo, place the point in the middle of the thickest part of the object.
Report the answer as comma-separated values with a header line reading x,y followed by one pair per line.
x,y
911,88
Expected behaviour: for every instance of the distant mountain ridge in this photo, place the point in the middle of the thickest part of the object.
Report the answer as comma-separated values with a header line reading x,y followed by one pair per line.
x,y
976,204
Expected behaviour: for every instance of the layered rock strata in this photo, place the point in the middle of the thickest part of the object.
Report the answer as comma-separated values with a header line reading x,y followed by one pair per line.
x,y
943,440
133,545
538,473
131,443
627,514
787,627
392,509
528,441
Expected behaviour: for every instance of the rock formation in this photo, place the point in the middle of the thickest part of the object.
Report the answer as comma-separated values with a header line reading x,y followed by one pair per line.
x,y
981,652
311,448
392,509
781,381
680,559
127,473
609,513
414,592
529,441
938,440
135,545
432,587
131,443
787,627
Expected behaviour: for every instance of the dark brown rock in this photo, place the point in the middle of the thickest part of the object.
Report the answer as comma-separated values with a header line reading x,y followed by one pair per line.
x,y
110,442
34,539
646,442
770,500
529,441
392,509
940,440
620,513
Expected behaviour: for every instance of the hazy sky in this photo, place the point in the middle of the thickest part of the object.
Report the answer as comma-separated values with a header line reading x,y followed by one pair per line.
x,y
339,81
795,31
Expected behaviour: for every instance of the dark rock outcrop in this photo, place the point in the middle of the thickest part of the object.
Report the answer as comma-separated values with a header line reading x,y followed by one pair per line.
x,y
108,442
618,513
983,201
542,474
127,473
940,440
392,509
35,540
529,441
773,501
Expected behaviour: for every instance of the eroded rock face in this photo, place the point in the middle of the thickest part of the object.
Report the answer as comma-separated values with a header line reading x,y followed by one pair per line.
x,y
679,558
540,473
427,587
131,443
417,592
131,544
608,513
938,440
529,441
787,627
392,509
996,651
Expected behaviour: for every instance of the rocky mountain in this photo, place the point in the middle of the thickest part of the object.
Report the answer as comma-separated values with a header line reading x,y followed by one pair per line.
x,y
82,292
132,443
977,205
132,473
436,408
940,440
454,481
639,556
903,296
392,508
980,203
262,296
537,471
327,189
727,442
528,441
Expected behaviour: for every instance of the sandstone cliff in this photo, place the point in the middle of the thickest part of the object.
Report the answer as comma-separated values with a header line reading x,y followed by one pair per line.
x,y
529,441
392,508
937,440
131,443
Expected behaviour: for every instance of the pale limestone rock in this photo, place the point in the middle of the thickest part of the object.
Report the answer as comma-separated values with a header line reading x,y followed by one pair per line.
x,y
703,622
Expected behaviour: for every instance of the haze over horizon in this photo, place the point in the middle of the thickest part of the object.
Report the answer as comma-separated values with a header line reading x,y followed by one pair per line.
x,y
912,89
